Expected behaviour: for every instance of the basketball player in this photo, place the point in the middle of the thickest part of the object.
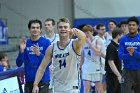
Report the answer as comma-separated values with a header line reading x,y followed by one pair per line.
x,y
53,37
90,63
64,54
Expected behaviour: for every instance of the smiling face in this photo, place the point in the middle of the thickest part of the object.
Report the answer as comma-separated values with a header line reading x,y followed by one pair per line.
x,y
35,29
63,29
133,27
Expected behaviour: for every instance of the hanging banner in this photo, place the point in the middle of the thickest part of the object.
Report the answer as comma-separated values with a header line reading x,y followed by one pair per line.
x,y
3,33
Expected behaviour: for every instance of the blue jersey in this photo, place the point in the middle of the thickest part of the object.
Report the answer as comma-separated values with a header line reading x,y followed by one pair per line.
x,y
32,61
130,62
1,68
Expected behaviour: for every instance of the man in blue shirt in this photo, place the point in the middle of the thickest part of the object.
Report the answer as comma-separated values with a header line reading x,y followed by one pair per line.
x,y
129,52
31,53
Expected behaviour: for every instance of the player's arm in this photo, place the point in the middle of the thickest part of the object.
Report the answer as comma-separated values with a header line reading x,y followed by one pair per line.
x,y
21,54
78,43
47,58
114,69
99,47
94,48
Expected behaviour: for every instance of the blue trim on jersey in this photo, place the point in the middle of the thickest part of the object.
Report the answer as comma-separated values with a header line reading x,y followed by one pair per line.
x,y
74,49
65,46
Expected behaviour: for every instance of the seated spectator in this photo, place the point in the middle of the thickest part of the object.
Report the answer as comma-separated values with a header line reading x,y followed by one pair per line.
x,y
4,62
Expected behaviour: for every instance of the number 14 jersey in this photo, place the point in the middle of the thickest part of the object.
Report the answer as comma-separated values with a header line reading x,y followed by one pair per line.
x,y
65,64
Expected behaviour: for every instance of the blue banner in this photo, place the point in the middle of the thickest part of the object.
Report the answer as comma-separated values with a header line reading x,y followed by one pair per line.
x,y
95,21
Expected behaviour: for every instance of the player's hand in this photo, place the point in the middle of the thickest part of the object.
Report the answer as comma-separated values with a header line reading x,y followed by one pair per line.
x,y
36,50
120,79
22,44
130,50
73,31
88,40
35,89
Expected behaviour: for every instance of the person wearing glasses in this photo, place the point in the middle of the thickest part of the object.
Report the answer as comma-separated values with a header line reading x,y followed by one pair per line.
x,y
65,62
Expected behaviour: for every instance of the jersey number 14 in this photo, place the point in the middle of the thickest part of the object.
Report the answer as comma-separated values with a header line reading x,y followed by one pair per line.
x,y
62,63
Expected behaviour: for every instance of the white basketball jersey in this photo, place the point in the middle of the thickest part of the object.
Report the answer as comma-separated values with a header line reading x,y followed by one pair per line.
x,y
103,49
54,39
108,38
65,64
91,60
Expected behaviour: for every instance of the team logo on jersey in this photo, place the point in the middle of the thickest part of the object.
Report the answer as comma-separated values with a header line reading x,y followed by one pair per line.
x,y
61,55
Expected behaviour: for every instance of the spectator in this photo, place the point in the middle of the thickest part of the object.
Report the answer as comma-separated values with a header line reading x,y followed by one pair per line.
x,y
4,62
